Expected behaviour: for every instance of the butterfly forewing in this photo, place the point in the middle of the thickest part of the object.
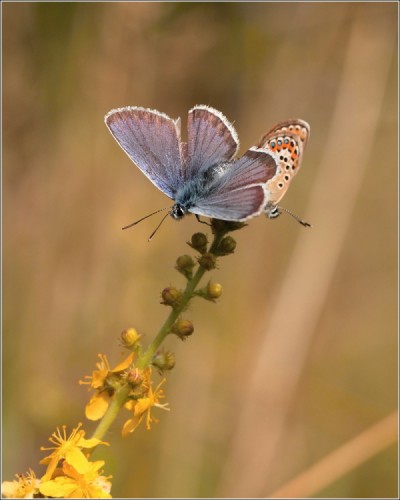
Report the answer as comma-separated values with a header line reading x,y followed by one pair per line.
x,y
151,139
212,140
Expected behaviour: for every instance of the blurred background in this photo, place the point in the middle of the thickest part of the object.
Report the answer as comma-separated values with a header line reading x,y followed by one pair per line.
x,y
300,354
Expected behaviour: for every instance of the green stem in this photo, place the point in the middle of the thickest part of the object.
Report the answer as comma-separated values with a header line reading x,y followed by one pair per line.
x,y
116,404
174,315
191,285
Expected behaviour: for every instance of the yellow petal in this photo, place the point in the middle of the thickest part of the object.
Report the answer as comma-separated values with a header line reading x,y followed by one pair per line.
x,y
142,405
98,377
124,364
97,406
99,493
76,458
130,425
60,487
130,405
9,489
91,443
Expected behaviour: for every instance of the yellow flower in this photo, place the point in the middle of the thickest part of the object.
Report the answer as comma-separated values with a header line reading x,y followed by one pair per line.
x,y
68,449
143,405
25,487
98,377
72,484
101,380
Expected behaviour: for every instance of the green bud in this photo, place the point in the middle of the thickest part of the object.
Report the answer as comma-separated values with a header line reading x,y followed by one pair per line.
x,y
214,290
199,242
163,361
185,265
171,296
210,292
134,377
182,328
208,261
226,246
129,338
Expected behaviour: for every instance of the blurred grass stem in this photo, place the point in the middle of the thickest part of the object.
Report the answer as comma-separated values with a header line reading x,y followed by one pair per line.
x,y
341,461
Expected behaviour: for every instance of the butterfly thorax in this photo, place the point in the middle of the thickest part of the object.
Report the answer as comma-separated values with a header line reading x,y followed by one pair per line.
x,y
199,187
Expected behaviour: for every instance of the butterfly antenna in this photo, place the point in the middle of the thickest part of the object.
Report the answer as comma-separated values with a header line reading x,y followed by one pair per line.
x,y
146,217
302,222
157,228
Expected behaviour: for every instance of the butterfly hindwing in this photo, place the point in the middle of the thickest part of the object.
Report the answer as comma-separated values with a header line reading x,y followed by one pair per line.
x,y
287,141
239,192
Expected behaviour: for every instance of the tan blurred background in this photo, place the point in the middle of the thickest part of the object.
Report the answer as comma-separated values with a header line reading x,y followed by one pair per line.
x,y
300,354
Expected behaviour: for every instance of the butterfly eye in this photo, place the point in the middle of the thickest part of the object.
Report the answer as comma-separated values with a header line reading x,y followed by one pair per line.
x,y
177,211
286,141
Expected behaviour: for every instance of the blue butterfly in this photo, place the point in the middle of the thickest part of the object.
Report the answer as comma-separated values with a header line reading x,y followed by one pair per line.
x,y
202,176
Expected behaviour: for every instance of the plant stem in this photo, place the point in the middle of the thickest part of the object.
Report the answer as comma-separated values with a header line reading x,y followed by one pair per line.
x,y
187,295
121,395
116,404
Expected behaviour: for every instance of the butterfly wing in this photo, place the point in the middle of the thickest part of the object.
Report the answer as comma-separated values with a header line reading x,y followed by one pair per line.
x,y
152,140
238,189
212,140
294,126
287,140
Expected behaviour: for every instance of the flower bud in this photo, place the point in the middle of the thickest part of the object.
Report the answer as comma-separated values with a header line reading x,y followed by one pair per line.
x,y
214,290
225,226
134,377
171,296
226,246
164,361
208,261
199,242
182,328
129,337
185,265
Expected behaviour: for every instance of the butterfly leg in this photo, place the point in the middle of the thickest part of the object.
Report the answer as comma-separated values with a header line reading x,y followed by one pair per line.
x,y
202,221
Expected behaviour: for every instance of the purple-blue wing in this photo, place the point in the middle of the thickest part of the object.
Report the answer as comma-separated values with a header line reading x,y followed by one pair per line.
x,y
239,193
212,140
152,140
